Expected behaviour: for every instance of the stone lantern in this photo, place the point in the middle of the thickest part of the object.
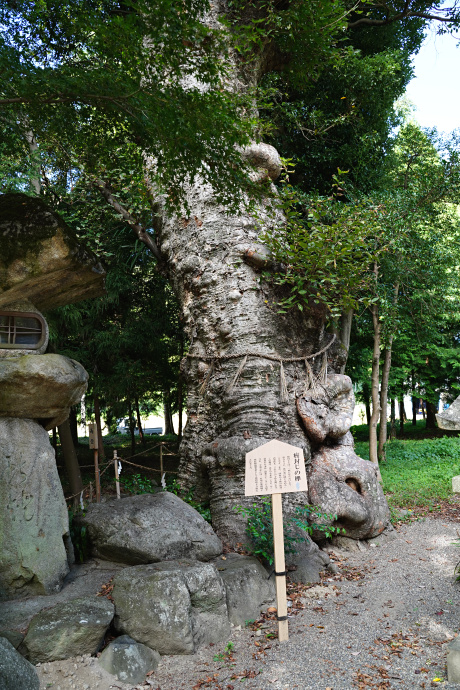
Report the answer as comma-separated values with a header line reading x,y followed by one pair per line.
x,y
42,266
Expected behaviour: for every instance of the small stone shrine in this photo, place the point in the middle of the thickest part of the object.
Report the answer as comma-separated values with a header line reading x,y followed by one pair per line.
x,y
42,266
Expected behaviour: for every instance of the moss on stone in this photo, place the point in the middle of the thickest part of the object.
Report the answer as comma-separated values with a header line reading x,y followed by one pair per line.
x,y
25,222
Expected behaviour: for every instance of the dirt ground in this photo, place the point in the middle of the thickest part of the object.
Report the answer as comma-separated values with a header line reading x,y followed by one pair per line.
x,y
383,622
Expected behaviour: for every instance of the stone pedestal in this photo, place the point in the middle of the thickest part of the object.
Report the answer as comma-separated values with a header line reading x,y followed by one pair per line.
x,y
34,523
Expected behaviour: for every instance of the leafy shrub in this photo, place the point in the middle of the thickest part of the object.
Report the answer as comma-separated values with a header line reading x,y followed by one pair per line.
x,y
259,528
79,538
137,484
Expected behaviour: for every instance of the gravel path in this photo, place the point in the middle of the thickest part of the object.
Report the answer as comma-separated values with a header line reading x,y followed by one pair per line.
x,y
383,623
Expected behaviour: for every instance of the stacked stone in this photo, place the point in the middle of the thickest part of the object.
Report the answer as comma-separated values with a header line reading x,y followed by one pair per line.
x,y
42,266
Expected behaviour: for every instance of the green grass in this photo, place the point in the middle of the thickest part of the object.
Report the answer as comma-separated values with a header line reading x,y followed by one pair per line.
x,y
361,431
418,473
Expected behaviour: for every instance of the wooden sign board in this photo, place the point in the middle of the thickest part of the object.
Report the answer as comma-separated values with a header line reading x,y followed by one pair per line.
x,y
92,433
275,468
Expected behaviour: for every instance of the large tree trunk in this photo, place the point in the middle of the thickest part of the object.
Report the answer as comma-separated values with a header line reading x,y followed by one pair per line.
x,y
236,367
243,385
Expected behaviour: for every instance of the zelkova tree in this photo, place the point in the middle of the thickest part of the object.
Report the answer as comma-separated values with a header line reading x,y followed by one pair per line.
x,y
253,372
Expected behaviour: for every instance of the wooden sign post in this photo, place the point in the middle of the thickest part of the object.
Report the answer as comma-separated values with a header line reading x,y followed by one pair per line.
x,y
276,468
93,443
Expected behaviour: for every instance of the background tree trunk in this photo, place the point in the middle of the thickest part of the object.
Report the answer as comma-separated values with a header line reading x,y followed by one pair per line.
x,y
73,425
366,395
70,461
132,427
402,415
393,419
373,455
167,411
97,416
384,402
384,386
431,410
139,421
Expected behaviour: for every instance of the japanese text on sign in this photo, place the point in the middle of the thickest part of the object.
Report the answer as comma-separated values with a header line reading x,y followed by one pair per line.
x,y
92,433
275,468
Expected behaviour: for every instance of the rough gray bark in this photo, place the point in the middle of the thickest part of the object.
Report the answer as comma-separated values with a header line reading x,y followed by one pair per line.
x,y
241,393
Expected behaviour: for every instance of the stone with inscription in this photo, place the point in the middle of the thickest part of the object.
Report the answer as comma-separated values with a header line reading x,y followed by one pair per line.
x,y
456,484
275,468
33,515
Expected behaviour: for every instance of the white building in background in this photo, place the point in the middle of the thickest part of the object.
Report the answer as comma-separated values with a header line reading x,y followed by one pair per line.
x,y
359,414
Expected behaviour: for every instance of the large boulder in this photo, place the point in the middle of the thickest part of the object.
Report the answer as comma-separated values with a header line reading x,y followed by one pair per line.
x,y
15,672
149,528
41,387
71,629
450,419
346,486
34,522
41,258
172,607
128,660
248,585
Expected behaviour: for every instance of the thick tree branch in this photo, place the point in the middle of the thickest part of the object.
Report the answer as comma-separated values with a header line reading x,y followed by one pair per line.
x,y
140,231
51,100
406,13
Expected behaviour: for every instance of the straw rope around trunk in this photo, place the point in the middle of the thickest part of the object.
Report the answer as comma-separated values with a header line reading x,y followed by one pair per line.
x,y
312,382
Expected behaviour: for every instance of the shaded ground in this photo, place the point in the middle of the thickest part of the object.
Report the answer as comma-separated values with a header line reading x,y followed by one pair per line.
x,y
383,623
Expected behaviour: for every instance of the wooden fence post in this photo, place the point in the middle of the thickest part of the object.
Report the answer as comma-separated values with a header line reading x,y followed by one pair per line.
x,y
115,462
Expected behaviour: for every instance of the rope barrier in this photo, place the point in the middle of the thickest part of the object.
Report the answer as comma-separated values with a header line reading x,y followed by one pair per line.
x,y
251,353
151,469
112,462
284,394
